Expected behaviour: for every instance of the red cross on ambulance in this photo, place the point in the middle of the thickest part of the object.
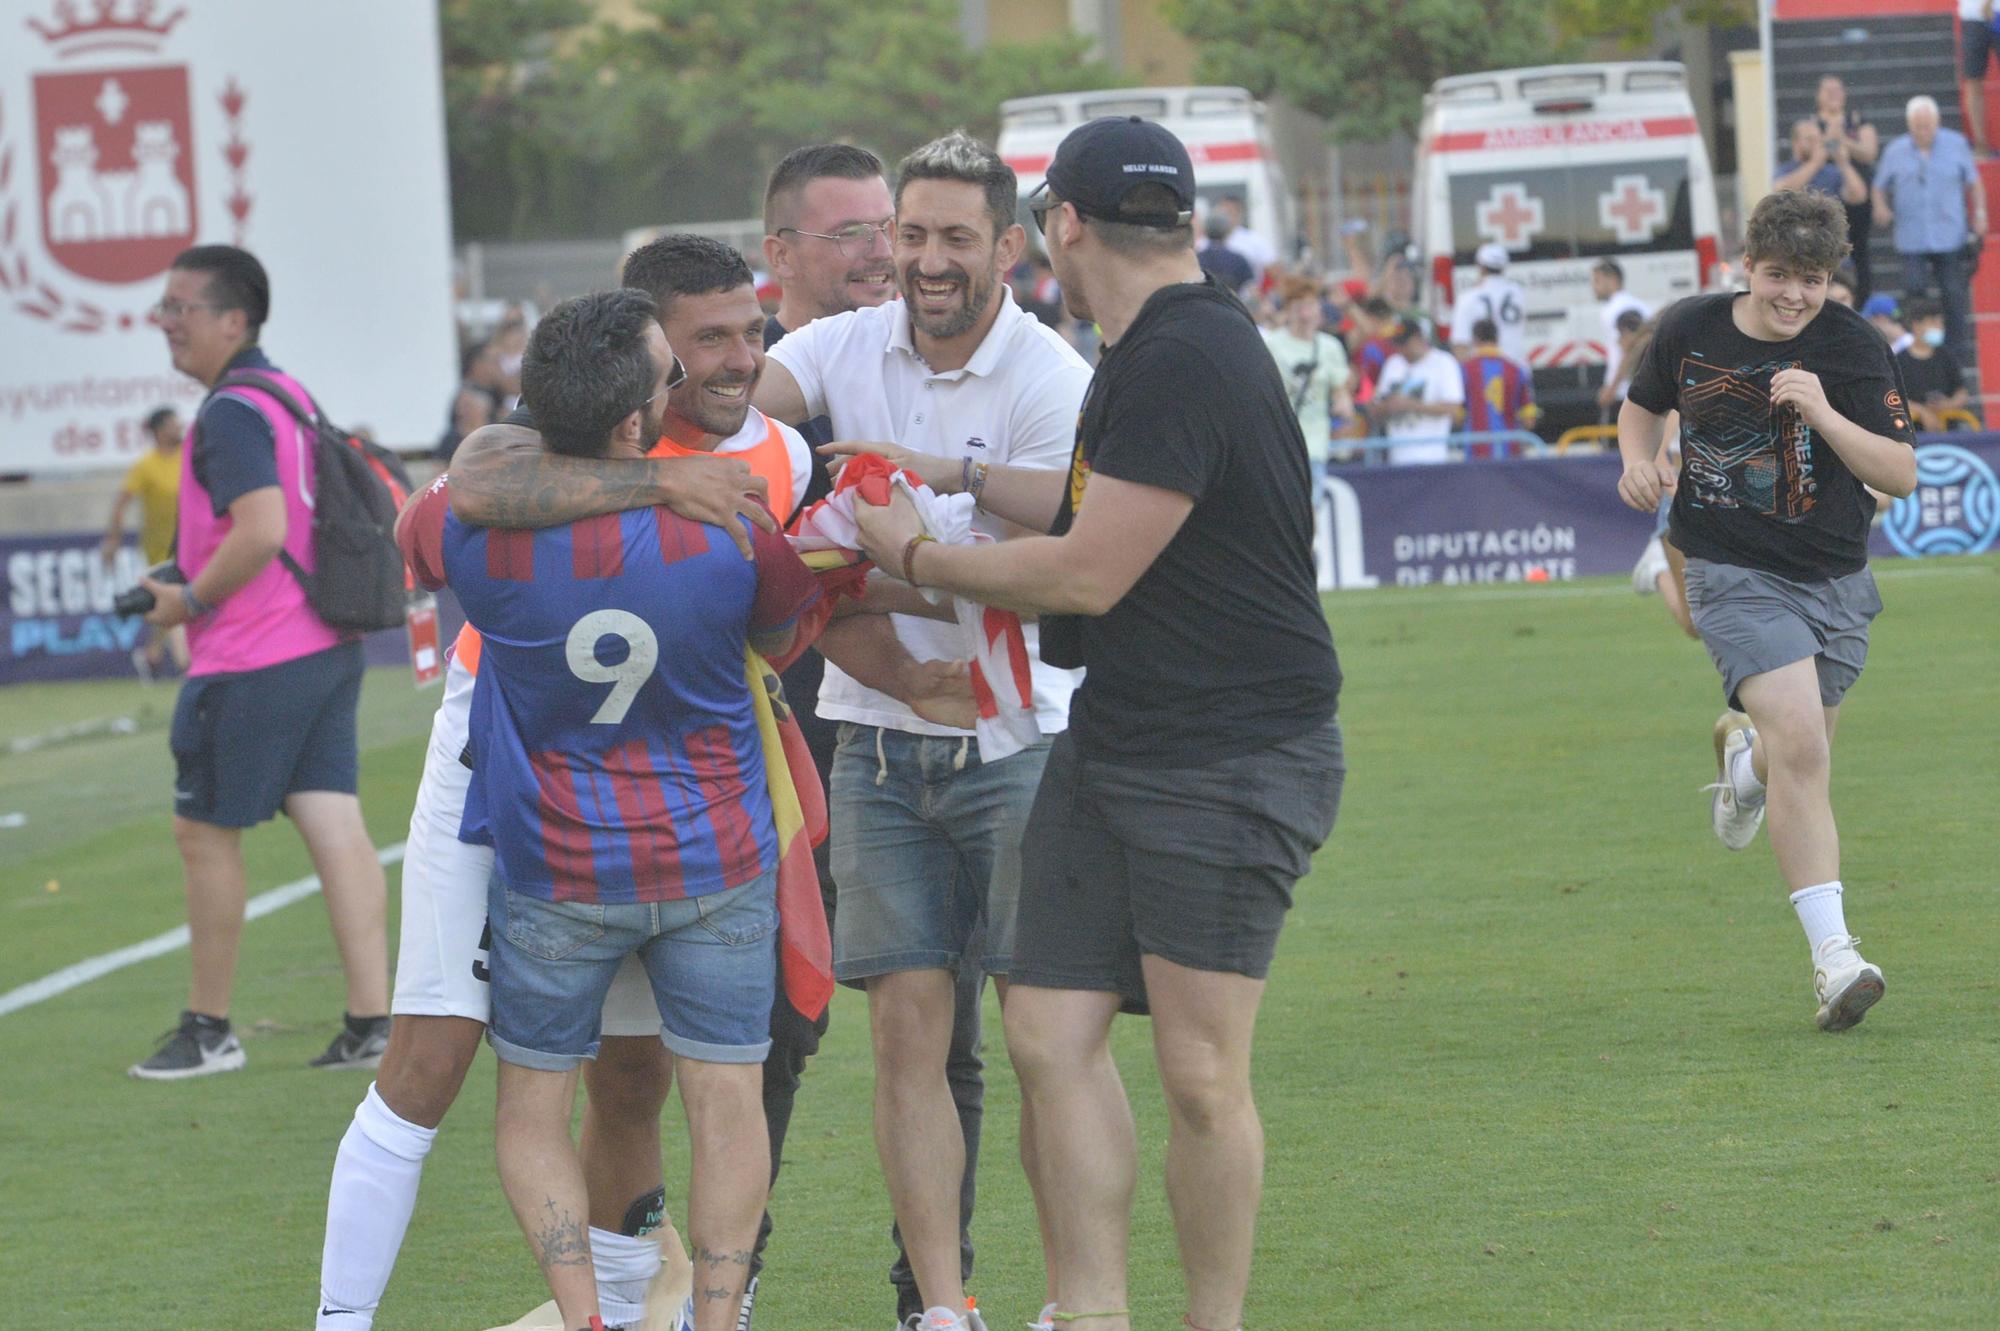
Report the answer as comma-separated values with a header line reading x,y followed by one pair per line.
x,y
1511,216
1632,208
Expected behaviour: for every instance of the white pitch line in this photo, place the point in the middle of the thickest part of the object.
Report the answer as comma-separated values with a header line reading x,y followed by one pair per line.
x,y
1444,593
83,972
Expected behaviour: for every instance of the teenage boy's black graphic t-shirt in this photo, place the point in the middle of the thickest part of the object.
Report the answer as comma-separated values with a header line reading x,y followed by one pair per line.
x,y
1759,487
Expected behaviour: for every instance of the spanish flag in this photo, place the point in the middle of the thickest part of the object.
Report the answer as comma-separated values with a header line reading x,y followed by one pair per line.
x,y
798,801
798,804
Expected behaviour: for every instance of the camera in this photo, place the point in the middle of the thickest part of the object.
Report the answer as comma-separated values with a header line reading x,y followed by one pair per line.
x,y
136,601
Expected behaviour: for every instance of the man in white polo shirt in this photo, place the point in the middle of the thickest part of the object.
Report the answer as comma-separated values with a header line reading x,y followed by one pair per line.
x,y
926,837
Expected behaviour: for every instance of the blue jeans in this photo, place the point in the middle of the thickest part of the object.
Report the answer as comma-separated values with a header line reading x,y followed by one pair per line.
x,y
713,961
926,846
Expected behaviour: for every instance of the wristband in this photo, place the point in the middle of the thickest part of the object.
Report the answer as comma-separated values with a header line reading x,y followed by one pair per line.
x,y
910,555
196,607
976,482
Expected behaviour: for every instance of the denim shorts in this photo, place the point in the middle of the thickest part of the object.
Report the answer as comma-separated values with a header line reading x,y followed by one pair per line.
x,y
926,845
712,960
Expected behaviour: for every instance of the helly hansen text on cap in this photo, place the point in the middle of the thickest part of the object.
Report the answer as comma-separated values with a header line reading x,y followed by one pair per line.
x,y
1100,162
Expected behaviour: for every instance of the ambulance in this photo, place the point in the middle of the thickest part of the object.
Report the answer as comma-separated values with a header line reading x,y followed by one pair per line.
x,y
1226,130
1565,165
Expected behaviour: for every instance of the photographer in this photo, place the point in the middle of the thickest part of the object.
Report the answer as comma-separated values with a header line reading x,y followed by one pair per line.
x,y
266,717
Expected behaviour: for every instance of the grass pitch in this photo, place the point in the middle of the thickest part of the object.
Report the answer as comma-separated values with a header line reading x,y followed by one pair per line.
x,y
1536,1052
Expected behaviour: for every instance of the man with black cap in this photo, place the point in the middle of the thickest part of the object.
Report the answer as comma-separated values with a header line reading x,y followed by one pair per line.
x,y
1202,766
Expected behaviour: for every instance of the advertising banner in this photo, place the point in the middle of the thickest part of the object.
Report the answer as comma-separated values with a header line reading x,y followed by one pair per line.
x,y
310,134
56,620
1561,518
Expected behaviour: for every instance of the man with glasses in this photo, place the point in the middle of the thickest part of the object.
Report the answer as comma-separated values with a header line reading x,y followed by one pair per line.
x,y
926,833
442,998
1927,186
827,222
265,720
618,774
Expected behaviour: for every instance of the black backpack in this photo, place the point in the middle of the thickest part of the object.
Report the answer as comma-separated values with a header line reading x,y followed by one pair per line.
x,y
358,579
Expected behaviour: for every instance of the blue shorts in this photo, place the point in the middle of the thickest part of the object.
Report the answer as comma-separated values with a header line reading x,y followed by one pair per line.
x,y
242,743
712,960
926,844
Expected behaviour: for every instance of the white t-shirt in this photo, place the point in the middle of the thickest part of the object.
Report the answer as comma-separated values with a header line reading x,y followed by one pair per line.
x,y
1253,246
1015,403
1502,300
1437,377
1615,305
1972,11
1311,392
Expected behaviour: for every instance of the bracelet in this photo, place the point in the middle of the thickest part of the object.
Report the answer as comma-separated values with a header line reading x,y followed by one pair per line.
x,y
976,484
196,607
910,555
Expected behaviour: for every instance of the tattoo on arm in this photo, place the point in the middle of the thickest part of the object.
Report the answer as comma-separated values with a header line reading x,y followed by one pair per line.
x,y
560,1239
539,490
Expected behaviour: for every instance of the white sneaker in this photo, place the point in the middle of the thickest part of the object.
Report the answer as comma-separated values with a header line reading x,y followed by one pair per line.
x,y
1652,563
1845,984
944,1319
1734,818
1046,1320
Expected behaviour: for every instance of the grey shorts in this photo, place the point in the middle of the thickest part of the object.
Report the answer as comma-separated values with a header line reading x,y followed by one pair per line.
x,y
1195,865
1754,622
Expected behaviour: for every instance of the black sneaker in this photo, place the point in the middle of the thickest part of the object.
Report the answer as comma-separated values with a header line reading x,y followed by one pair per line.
x,y
749,1303
359,1044
195,1048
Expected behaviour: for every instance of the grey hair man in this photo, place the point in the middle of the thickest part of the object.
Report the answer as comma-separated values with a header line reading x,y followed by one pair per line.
x,y
1927,187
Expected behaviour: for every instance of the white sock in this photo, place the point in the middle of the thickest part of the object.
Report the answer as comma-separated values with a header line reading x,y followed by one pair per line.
x,y
368,1207
625,1269
1743,776
1819,911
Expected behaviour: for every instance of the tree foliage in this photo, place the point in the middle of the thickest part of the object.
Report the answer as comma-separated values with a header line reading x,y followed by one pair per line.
x,y
1362,65
1365,65
680,115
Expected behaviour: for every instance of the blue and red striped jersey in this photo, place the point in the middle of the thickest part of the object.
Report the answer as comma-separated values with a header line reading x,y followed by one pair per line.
x,y
615,753
1497,391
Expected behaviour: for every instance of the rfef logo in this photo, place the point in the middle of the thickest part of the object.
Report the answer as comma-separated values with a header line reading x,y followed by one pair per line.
x,y
1955,509
107,164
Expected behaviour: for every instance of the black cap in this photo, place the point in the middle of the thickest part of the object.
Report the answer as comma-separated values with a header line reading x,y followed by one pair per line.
x,y
1098,163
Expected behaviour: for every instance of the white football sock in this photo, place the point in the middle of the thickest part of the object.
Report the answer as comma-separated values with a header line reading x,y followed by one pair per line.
x,y
1743,776
625,1269
368,1207
1819,911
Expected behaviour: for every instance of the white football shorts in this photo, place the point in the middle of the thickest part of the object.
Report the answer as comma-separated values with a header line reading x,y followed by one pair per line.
x,y
441,958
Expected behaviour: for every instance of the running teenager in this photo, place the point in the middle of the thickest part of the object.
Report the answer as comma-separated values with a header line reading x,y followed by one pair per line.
x,y
1790,408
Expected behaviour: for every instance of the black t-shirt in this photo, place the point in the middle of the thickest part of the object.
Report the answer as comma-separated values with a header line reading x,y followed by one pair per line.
x,y
1759,488
1221,647
1936,375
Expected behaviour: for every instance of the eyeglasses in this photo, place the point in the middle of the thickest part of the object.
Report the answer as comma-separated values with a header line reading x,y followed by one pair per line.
x,y
675,378
177,309
854,240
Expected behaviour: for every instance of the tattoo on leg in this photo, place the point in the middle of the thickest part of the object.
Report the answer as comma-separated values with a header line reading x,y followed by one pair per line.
x,y
713,1266
560,1239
